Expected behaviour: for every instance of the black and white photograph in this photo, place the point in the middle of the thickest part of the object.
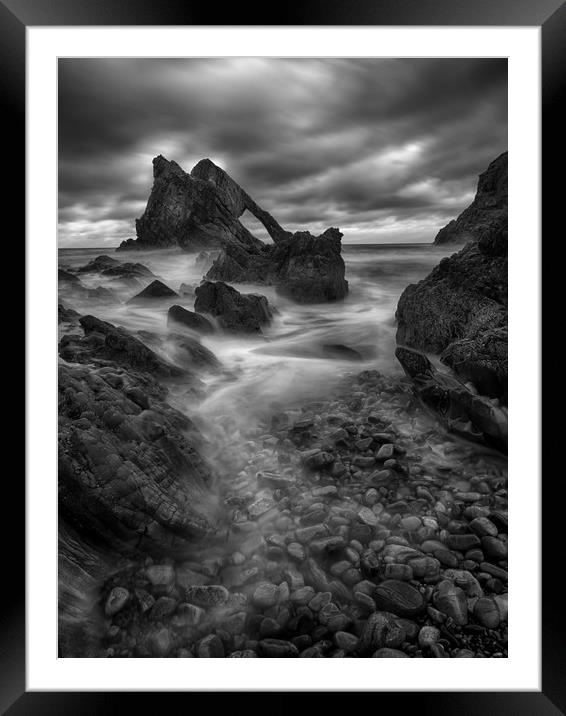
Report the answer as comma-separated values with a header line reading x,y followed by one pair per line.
x,y
282,357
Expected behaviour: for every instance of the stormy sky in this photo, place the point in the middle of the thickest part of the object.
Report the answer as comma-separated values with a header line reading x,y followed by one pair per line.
x,y
388,150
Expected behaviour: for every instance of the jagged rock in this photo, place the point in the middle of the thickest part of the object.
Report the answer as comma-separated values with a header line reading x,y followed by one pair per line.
x,y
461,410
194,321
129,477
205,259
234,311
99,264
105,344
460,311
305,268
196,210
156,289
489,205
202,210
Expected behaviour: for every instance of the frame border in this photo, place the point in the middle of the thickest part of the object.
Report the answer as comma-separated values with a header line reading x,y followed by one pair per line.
x,y
15,17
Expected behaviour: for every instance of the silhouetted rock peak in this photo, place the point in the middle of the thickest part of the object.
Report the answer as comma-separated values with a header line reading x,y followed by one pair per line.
x,y
488,206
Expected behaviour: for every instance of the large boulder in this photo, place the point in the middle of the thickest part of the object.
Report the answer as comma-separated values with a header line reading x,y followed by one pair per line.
x,y
488,206
156,290
233,311
303,267
130,472
181,316
460,311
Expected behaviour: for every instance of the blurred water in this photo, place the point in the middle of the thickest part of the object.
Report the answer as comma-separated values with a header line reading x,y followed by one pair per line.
x,y
288,363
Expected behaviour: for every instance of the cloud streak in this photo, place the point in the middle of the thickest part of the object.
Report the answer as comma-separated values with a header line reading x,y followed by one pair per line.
x,y
384,149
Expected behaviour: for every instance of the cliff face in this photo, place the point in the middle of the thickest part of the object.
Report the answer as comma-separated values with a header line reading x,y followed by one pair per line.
x,y
488,207
460,309
460,312
197,210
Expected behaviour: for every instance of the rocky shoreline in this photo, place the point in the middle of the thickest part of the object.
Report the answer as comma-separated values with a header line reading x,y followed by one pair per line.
x,y
370,522
344,533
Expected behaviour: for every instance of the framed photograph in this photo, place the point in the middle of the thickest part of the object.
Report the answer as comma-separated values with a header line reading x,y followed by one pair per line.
x,y
283,352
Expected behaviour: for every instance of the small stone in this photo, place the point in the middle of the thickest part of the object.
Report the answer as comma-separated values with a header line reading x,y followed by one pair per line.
x,y
389,654
346,641
385,451
410,523
117,599
325,491
160,642
319,600
260,507
494,548
145,600
277,648
486,612
213,595
296,551
381,477
380,630
327,544
398,571
363,445
265,595
428,635
211,647
462,543
371,497
451,600
363,462
302,595
163,608
244,654
368,517
399,597
190,614
317,459
483,527
305,535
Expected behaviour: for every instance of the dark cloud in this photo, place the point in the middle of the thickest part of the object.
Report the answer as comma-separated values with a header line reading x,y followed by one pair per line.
x,y
382,148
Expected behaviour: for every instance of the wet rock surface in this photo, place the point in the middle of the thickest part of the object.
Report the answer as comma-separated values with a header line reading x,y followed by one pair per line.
x,y
233,311
324,557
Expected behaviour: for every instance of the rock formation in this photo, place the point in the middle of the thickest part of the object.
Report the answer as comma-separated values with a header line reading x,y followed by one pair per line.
x,y
488,207
180,316
234,311
132,479
305,268
462,411
201,210
155,290
460,311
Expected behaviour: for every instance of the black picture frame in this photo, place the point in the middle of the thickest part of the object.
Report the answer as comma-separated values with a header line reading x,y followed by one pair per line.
x,y
15,17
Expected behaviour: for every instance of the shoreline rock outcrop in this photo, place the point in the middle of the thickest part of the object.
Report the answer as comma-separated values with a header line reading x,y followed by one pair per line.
x,y
202,210
460,312
233,311
488,206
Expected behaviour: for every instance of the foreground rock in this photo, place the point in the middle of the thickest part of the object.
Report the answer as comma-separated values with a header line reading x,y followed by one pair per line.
x,y
233,311
462,411
460,311
202,210
105,344
488,207
181,316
